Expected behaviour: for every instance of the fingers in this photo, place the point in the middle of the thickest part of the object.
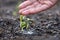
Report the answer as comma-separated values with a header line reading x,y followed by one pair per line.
x,y
31,10
41,8
24,4
37,9
32,7
21,11
28,7
53,1
49,3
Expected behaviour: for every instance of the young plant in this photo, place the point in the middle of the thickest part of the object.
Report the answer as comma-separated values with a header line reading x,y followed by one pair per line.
x,y
23,22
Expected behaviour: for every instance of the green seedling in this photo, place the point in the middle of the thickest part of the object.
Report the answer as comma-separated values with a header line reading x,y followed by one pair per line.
x,y
24,22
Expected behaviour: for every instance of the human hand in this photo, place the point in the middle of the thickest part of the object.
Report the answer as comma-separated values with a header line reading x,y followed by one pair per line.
x,y
35,6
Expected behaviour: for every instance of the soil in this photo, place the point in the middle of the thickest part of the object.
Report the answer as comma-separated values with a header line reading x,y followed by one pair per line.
x,y
46,24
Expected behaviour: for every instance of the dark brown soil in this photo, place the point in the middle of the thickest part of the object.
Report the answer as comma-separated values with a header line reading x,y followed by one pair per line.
x,y
46,24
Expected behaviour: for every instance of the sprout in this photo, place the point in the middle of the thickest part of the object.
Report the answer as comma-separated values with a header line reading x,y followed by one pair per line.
x,y
23,22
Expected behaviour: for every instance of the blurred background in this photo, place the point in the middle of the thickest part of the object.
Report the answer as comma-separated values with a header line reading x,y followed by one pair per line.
x,y
51,15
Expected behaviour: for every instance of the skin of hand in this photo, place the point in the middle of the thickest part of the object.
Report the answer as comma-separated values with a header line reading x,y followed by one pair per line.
x,y
35,6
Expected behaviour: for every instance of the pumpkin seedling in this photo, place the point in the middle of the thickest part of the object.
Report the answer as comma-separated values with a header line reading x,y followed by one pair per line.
x,y
24,22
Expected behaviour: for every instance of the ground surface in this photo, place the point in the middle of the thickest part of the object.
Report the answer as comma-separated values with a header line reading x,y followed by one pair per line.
x,y
47,23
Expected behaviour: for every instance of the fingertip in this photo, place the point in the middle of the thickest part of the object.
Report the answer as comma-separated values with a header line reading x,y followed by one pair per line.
x,y
25,12
20,6
24,4
19,12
